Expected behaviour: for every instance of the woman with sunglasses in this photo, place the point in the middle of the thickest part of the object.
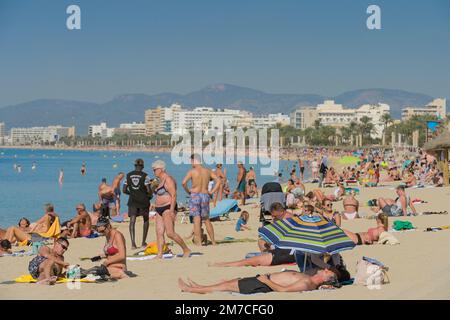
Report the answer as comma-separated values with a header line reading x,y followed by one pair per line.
x,y
166,208
329,214
48,265
114,250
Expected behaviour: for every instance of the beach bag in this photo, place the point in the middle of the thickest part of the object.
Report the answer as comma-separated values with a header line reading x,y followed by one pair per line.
x,y
371,273
152,248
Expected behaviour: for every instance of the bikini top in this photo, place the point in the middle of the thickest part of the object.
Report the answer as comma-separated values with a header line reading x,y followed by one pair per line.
x,y
110,249
162,191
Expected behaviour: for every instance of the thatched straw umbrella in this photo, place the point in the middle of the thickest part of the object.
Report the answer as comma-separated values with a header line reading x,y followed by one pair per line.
x,y
440,146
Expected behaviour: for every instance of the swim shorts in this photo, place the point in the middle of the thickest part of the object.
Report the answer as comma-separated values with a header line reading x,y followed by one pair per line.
x,y
34,264
281,256
241,186
252,285
392,210
199,205
110,203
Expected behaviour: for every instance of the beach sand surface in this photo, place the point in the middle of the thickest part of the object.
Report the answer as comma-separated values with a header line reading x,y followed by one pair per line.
x,y
419,267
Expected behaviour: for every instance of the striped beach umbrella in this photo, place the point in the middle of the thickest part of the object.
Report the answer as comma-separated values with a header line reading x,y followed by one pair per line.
x,y
307,234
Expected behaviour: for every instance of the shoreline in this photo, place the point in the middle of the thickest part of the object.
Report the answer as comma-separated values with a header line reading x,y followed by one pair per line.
x,y
283,152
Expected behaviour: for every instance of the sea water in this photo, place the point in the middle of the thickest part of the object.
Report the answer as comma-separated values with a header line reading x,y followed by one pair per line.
x,y
24,194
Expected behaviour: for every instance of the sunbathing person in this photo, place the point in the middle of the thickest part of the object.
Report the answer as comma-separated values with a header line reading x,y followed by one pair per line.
x,y
114,251
24,225
81,224
351,207
373,234
5,247
48,265
397,207
287,281
410,180
18,234
328,214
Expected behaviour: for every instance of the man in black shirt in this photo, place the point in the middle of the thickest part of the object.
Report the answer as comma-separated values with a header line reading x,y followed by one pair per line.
x,y
137,186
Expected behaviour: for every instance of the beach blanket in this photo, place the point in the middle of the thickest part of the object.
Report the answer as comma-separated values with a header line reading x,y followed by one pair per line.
x,y
54,230
387,238
437,228
223,207
232,240
27,278
165,256
21,253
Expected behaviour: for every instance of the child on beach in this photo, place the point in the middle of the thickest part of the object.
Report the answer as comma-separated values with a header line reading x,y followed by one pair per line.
x,y
241,224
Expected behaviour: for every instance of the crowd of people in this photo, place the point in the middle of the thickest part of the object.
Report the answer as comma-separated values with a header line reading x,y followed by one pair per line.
x,y
206,188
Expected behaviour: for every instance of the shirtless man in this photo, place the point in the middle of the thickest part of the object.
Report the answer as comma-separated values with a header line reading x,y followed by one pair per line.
x,y
287,281
200,197
301,165
241,182
251,182
107,196
351,207
48,265
81,223
116,187
222,176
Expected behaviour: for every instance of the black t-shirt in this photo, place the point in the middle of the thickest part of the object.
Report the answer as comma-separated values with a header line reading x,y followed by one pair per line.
x,y
323,168
136,183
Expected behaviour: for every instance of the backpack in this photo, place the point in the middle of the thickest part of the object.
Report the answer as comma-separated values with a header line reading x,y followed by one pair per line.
x,y
370,273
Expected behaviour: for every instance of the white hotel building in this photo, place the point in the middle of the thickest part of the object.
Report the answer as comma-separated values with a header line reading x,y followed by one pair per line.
x,y
37,135
101,131
336,115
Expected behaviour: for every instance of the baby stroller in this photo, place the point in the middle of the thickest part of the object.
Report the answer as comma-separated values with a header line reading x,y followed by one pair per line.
x,y
271,192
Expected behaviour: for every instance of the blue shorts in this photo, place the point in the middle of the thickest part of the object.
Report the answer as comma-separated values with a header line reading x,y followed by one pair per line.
x,y
199,205
110,203
241,186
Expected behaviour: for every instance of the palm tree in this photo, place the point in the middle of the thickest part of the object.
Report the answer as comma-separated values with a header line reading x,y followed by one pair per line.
x,y
366,127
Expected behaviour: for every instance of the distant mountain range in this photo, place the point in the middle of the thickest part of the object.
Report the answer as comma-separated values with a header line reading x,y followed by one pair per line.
x,y
131,107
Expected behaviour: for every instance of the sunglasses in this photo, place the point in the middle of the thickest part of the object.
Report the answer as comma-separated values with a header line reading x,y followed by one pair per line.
x,y
329,205
63,246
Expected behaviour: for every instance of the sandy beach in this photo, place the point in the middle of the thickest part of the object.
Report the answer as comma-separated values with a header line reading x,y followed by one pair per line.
x,y
418,266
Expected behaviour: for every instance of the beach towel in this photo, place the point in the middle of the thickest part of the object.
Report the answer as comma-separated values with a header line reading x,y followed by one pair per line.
x,y
27,278
54,231
223,207
165,256
402,225
235,240
387,238
118,219
21,253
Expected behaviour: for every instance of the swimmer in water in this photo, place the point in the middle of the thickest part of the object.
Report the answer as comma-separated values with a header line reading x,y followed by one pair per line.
x,y
19,168
83,169
33,167
61,177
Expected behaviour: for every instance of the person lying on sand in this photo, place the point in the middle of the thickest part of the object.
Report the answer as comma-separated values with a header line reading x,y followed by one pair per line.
x,y
24,225
48,265
21,233
351,207
288,281
373,234
5,247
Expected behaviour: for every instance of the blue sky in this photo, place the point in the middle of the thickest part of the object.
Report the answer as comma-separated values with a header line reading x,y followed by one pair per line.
x,y
289,46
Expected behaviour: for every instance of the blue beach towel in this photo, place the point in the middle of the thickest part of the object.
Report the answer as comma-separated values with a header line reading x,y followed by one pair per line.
x,y
223,207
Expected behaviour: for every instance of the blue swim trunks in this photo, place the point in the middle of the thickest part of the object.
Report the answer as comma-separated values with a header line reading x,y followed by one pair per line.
x,y
241,186
199,205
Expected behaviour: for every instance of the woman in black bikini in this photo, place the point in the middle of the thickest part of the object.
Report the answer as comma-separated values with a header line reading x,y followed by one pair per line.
x,y
166,207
